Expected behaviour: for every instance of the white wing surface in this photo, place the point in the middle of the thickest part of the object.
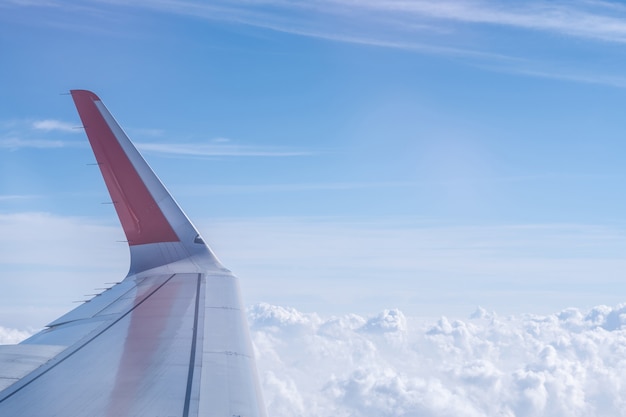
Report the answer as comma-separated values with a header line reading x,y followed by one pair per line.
x,y
170,340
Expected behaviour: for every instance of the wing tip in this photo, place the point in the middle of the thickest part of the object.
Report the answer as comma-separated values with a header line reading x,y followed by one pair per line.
x,y
84,94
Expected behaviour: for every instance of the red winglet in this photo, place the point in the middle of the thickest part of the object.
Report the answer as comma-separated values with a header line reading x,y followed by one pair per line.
x,y
140,215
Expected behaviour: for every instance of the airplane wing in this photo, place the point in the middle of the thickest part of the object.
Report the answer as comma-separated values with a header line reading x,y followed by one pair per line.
x,y
171,339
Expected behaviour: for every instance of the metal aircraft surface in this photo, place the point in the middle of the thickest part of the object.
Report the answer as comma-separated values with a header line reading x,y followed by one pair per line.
x,y
171,339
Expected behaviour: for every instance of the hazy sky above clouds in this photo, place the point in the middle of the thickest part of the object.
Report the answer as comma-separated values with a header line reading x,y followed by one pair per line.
x,y
340,157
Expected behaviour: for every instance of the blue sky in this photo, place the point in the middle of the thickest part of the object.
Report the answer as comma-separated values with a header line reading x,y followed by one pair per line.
x,y
339,156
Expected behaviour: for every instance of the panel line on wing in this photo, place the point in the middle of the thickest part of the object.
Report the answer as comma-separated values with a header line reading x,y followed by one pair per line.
x,y
69,354
192,360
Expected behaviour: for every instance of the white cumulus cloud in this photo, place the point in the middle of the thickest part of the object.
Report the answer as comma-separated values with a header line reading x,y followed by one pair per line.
x,y
10,336
51,124
570,363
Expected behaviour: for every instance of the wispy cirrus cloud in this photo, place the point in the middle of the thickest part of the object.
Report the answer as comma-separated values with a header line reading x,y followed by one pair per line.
x,y
291,187
219,148
16,197
344,186
37,134
18,143
396,23
584,19
484,33
51,124
350,21
598,20
531,39
51,134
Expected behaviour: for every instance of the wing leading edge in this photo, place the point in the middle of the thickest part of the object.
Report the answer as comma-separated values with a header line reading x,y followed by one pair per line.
x,y
170,340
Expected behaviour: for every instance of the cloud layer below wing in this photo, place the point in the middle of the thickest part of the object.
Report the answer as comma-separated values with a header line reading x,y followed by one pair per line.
x,y
571,363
